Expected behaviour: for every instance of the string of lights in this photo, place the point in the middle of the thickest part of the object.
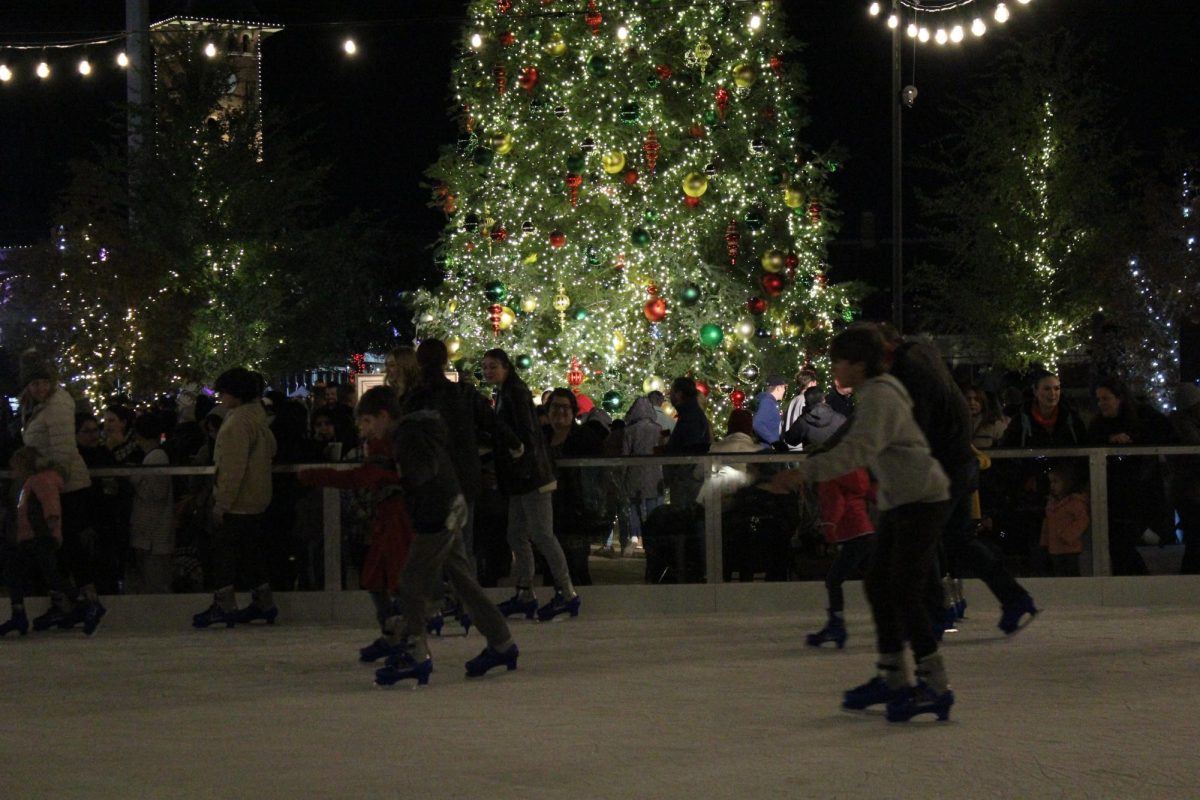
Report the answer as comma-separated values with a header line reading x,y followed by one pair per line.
x,y
945,22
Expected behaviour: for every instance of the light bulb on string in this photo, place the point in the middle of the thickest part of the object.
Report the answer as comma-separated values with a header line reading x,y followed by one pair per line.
x,y
350,47
122,60
873,9
912,30
210,50
941,37
43,70
923,35
956,34
5,73
978,28
85,67
1001,14
893,21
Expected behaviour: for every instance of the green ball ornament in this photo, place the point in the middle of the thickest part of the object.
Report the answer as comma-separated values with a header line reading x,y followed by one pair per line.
x,y
711,117
689,295
630,112
640,237
612,402
593,256
483,156
523,362
495,291
581,314
711,335
597,66
652,81
576,162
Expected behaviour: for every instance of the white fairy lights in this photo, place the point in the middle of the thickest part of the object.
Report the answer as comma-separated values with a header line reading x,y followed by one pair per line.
x,y
949,19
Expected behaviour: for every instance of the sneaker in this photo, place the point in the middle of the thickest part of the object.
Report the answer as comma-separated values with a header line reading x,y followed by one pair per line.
x,y
215,615
1012,616
93,612
18,623
255,612
518,604
872,693
559,605
489,658
920,699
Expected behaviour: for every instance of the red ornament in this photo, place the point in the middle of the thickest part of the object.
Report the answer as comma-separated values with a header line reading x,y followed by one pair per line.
x,y
738,398
573,184
722,96
558,239
702,388
501,76
733,241
494,311
691,202
696,132
651,148
503,6
652,290
451,204
655,309
469,247
777,65
767,113
593,18
814,212
792,261
664,72
499,233
756,306
507,38
631,177
772,284
529,79
820,279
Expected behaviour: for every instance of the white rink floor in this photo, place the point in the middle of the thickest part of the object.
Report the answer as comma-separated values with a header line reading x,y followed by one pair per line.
x,y
1087,702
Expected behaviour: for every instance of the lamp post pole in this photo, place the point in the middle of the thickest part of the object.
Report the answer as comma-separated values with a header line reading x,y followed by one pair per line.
x,y
897,197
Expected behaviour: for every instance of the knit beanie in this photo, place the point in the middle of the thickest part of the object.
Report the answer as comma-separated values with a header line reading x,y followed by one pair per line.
x,y
34,366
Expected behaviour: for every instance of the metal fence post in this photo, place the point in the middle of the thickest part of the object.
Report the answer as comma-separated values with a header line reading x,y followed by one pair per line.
x,y
1098,477
331,517
714,557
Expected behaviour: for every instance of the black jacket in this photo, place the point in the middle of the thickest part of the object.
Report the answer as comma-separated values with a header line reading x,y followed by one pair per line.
x,y
1024,432
692,435
426,472
815,426
938,404
532,469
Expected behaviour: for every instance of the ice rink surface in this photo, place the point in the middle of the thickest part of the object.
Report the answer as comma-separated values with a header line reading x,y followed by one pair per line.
x,y
1087,702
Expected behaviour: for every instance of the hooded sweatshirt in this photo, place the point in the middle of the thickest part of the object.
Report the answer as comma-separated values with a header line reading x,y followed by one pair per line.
x,y
815,425
642,435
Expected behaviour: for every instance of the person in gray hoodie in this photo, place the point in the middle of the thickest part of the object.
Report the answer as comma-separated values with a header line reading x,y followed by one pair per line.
x,y
914,495
643,484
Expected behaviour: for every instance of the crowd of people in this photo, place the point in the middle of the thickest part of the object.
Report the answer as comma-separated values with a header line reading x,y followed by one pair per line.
x,y
454,490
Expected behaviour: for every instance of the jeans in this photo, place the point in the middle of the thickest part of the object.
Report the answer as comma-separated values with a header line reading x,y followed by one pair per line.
x,y
531,522
42,552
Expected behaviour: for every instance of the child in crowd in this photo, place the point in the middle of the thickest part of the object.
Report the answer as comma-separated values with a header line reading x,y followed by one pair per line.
x,y
1067,518
38,539
152,520
391,532
845,523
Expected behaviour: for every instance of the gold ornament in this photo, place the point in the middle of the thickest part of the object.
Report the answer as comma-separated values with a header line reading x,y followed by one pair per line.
x,y
618,342
773,260
529,305
613,162
793,196
530,259
453,345
653,383
695,184
702,53
507,318
556,45
745,329
792,330
502,143
452,306
744,76
561,304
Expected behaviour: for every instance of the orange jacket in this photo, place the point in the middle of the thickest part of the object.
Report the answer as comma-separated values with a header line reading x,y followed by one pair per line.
x,y
1067,518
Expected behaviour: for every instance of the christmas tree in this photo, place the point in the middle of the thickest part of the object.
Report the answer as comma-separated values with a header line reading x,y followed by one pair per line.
x,y
629,199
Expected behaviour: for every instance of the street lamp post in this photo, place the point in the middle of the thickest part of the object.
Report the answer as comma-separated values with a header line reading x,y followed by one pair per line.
x,y
897,197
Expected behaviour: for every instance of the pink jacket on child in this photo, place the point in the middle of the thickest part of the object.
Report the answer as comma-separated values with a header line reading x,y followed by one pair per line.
x,y
1067,518
46,486
844,506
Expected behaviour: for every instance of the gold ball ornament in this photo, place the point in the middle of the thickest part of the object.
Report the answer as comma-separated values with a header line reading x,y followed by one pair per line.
x,y
695,184
452,306
529,305
502,143
556,45
619,343
793,196
507,318
744,76
774,260
453,346
703,51
745,329
653,383
561,302
613,162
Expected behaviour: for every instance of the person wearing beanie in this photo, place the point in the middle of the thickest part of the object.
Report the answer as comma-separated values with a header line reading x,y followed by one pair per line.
x,y
48,424
767,420
1185,475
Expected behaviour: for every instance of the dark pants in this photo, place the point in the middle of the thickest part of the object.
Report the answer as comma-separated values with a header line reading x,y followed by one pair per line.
x,y
1189,523
432,556
853,556
78,554
896,578
40,552
964,551
239,548
1065,565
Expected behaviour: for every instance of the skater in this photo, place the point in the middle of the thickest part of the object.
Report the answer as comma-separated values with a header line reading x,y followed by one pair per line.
x,y
526,475
391,533
845,523
38,540
438,511
241,493
914,495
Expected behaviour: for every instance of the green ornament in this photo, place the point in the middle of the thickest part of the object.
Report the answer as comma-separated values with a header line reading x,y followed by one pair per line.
x,y
689,295
523,362
598,66
832,165
800,211
495,291
612,402
640,237
711,335
775,177
651,215
593,256
576,162
754,220
711,117
581,314
483,156
630,112
652,81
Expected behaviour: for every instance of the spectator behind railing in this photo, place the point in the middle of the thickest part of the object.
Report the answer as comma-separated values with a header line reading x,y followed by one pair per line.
x,y
152,514
580,502
987,418
1185,475
692,435
1136,491
643,485
1067,519
288,555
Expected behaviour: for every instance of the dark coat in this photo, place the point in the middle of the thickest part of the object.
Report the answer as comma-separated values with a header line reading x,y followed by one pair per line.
x,y
938,404
1024,432
692,435
426,471
814,426
532,469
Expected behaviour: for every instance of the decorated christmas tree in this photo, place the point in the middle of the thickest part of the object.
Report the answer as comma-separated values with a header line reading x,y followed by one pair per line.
x,y
630,198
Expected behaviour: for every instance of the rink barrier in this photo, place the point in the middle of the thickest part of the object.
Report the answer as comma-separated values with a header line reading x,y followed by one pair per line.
x,y
1097,458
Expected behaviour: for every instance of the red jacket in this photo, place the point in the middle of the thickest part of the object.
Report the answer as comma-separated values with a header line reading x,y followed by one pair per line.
x,y
844,506
1067,519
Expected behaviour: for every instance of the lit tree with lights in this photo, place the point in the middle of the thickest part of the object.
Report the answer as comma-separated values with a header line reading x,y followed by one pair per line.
x,y
630,199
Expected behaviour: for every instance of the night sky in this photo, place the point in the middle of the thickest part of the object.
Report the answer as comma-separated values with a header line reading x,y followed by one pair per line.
x,y
381,116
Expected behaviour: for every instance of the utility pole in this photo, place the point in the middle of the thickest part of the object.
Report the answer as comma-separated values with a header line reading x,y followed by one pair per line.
x,y
137,84
897,196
